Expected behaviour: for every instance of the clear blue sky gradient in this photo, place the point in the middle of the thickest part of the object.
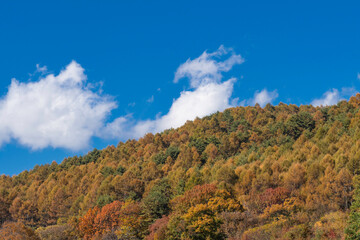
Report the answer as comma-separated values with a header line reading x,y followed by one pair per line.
x,y
300,48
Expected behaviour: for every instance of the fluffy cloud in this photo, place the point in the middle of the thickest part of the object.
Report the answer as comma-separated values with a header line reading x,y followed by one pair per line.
x,y
57,111
63,111
333,96
264,97
205,100
209,94
206,69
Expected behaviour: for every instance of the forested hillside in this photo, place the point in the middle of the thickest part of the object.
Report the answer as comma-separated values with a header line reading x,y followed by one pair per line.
x,y
278,172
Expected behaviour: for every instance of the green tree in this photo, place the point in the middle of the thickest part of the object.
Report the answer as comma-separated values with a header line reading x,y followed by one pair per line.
x,y
353,229
156,203
298,123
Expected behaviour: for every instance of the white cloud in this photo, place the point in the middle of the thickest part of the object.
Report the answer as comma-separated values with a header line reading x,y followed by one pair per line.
x,y
119,128
64,110
264,97
204,100
209,94
206,69
56,111
333,96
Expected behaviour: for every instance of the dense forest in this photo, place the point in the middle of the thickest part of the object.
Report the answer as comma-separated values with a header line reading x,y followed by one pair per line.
x,y
278,172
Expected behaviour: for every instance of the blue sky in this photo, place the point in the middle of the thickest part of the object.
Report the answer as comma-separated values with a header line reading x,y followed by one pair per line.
x,y
122,57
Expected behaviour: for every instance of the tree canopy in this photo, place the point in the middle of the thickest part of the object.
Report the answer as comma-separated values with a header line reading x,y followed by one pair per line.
x,y
279,172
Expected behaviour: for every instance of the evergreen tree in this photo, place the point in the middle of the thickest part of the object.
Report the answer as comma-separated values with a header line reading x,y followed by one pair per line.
x,y
353,229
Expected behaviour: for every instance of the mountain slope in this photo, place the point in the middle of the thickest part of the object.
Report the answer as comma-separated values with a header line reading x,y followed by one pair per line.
x,y
282,172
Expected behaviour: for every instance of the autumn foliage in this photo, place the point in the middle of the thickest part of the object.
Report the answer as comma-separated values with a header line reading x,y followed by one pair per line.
x,y
278,172
118,217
